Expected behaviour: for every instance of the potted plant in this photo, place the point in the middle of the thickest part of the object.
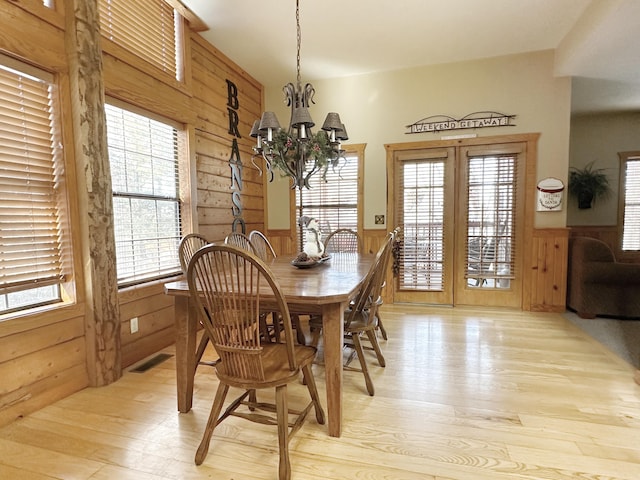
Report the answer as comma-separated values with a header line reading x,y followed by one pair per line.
x,y
588,184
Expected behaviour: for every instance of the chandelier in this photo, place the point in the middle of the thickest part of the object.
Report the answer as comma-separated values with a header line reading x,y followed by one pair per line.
x,y
298,152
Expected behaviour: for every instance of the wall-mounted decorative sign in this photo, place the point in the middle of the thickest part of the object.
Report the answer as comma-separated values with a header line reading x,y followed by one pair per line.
x,y
550,195
438,123
235,162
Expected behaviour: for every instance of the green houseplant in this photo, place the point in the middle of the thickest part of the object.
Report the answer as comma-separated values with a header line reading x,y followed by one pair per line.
x,y
588,184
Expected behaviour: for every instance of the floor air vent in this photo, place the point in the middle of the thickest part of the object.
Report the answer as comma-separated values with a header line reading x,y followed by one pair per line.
x,y
152,362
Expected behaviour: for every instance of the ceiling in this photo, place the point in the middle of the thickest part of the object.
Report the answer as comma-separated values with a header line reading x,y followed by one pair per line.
x,y
595,40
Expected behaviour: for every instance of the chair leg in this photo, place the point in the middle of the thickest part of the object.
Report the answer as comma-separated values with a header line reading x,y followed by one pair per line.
x,y
203,449
298,327
371,334
310,382
315,326
264,328
202,346
282,412
275,319
363,363
383,331
315,337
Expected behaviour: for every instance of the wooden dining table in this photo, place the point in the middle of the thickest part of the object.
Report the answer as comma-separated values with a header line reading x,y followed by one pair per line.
x,y
324,289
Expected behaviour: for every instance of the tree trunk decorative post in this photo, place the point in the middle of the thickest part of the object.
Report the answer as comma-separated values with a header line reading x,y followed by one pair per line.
x,y
102,317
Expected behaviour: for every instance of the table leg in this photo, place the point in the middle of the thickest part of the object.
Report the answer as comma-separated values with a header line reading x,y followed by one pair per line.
x,y
185,324
333,332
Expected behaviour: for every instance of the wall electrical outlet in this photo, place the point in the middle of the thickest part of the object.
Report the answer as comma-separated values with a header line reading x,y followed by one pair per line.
x,y
134,324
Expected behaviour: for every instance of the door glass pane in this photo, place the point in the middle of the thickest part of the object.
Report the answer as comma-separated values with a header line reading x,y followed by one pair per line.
x,y
422,221
491,198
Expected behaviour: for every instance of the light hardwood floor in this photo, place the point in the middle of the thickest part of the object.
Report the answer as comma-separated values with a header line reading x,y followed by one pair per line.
x,y
466,395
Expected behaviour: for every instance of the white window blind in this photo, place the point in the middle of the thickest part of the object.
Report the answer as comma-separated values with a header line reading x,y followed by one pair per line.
x,y
332,201
491,206
421,186
631,204
30,170
143,154
146,28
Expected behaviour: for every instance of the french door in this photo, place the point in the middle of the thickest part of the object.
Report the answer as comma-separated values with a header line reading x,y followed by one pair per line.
x,y
461,211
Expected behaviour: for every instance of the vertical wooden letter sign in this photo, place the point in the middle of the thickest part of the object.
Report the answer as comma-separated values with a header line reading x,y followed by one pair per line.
x,y
235,161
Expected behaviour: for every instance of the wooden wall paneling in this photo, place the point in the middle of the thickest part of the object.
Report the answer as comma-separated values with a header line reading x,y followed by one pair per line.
x,y
35,366
148,71
211,89
25,35
372,239
26,343
44,353
548,271
209,56
284,242
39,319
45,391
132,85
214,143
41,361
157,331
156,328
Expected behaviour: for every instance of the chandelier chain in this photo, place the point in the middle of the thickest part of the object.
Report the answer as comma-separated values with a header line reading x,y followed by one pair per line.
x,y
298,40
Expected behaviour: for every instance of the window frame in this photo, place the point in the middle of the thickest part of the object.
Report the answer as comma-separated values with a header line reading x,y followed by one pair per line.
x,y
60,280
624,158
173,270
357,150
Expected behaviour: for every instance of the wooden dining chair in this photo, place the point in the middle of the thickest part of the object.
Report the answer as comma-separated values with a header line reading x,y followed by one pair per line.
x,y
190,244
241,240
346,240
230,287
379,325
362,318
343,240
262,245
265,251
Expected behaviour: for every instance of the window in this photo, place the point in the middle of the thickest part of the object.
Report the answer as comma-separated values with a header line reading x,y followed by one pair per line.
x,y
630,200
333,200
31,169
491,207
421,212
143,153
149,29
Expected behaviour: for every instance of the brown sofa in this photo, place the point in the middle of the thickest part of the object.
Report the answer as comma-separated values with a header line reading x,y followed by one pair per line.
x,y
597,284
